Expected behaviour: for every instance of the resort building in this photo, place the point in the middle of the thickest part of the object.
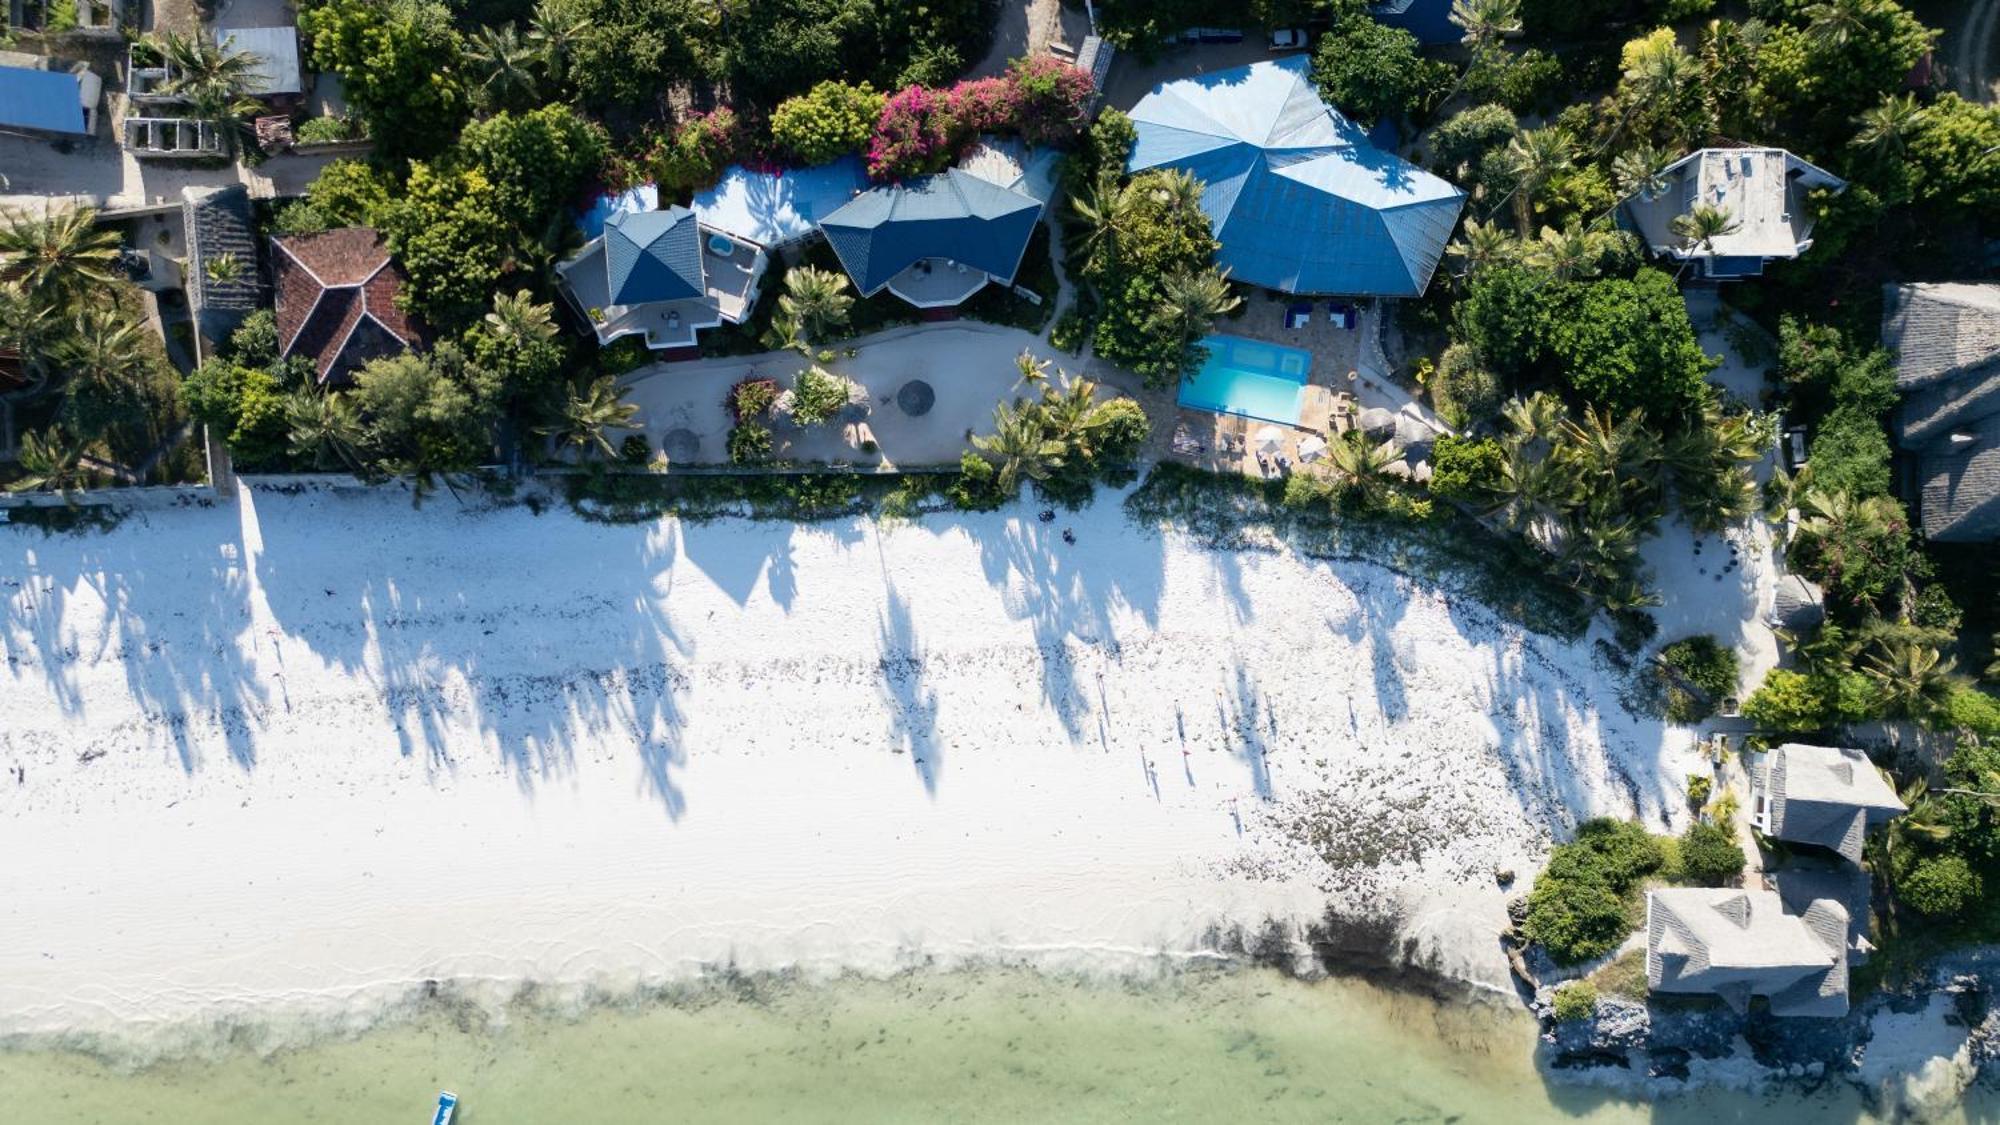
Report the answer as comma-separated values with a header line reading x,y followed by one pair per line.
x,y
1946,338
222,279
778,210
52,104
659,274
1299,199
1821,796
336,301
936,240
1763,192
1736,944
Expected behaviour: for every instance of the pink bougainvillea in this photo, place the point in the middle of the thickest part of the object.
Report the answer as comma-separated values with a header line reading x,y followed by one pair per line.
x,y
984,105
913,135
1050,99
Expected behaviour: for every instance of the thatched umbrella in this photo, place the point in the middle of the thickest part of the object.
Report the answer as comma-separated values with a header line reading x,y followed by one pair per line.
x,y
1376,420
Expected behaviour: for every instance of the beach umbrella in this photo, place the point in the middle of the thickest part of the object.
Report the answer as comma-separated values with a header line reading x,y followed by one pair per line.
x,y
1375,420
1270,439
1311,446
1422,472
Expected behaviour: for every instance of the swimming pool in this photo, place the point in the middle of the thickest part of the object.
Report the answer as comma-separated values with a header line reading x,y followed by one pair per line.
x,y
1250,378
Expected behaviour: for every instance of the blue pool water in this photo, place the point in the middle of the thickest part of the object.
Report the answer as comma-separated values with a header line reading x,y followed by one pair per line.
x,y
1251,378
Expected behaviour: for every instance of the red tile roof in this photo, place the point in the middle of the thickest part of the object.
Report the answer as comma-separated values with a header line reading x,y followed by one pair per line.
x,y
336,298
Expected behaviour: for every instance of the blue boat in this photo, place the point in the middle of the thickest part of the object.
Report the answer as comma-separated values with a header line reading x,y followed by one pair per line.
x,y
447,1105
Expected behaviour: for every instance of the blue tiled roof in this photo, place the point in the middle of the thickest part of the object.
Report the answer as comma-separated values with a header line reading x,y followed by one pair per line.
x,y
775,208
653,256
50,101
1298,197
953,214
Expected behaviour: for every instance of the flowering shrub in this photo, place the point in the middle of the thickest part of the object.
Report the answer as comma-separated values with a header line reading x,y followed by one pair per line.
x,y
700,148
913,135
1050,99
983,105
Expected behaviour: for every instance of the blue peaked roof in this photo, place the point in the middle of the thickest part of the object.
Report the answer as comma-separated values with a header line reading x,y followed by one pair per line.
x,y
952,214
653,256
1299,199
50,101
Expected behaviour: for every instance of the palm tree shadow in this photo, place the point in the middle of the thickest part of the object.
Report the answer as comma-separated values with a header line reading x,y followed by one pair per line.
x,y
914,705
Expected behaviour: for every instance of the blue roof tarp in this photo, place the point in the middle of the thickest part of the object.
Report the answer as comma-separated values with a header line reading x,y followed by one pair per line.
x,y
653,256
777,208
645,197
1299,199
47,101
952,214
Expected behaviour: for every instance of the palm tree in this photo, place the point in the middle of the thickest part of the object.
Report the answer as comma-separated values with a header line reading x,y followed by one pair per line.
x,y
554,35
1190,302
1914,679
1566,253
505,65
586,417
1362,465
324,428
1707,462
50,461
1486,22
1620,456
1657,70
59,257
1885,128
216,81
1641,171
1834,23
815,303
1100,206
105,347
520,319
1176,190
30,329
1071,417
1032,370
1531,491
1533,158
1700,227
1019,446
1534,422
1483,244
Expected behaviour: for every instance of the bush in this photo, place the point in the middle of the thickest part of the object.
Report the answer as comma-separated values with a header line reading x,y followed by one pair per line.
x,y
1699,786
1070,331
1850,453
818,494
1710,856
1051,99
751,400
827,122
1466,469
1970,709
1468,135
818,397
1941,886
1369,70
1575,1000
913,135
749,443
255,341
1787,701
1578,908
1464,390
1706,665
977,488
326,130
635,450
703,145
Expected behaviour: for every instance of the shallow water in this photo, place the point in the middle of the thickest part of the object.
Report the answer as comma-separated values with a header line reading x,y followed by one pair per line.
x,y
997,1045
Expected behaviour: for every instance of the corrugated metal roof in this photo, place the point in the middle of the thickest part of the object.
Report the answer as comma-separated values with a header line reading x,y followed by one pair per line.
x,y
49,101
1299,199
277,51
775,208
653,256
952,215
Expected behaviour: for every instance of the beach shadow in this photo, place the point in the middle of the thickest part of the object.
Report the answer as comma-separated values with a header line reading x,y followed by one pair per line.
x,y
1248,727
913,704
1381,600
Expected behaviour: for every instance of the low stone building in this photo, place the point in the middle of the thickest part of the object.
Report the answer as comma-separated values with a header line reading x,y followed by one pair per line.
x,y
1736,944
1821,796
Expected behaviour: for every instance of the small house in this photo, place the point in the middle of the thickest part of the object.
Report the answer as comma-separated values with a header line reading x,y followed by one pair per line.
x,y
661,275
1763,191
1820,796
336,301
49,104
934,240
1736,944
222,279
1946,338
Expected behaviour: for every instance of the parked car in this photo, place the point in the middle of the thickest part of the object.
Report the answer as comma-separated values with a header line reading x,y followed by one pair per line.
x,y
1288,39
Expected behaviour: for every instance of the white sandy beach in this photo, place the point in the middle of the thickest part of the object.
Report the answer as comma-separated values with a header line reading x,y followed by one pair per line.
x,y
307,752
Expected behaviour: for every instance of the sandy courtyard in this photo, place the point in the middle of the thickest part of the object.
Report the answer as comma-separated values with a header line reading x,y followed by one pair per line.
x,y
310,751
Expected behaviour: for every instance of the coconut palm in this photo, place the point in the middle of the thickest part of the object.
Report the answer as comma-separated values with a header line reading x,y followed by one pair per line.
x,y
1914,680
30,329
1362,466
504,64
60,257
1486,22
1568,253
1657,71
1070,416
555,35
1032,369
1533,158
1534,422
1835,23
1698,229
50,461
1641,171
104,347
1620,456
1190,302
1019,446
324,428
587,417
198,64
1885,128
1530,491
1176,189
1483,244
1100,206
815,303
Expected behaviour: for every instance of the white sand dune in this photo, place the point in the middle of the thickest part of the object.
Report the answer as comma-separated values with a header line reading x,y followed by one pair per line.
x,y
309,751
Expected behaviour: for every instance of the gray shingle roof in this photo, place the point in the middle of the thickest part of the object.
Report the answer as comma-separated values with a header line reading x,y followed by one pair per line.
x,y
1825,796
1736,944
1946,337
1797,604
953,214
217,223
